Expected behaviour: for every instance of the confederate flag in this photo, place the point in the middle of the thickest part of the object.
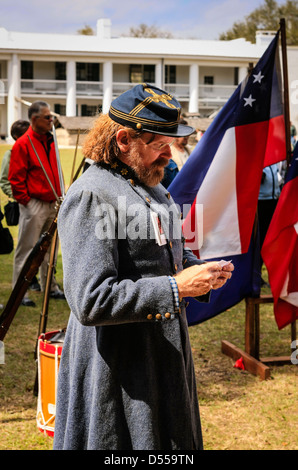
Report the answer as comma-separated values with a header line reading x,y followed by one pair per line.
x,y
280,249
223,173
218,187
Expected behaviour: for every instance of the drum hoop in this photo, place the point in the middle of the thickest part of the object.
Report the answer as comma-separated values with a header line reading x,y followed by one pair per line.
x,y
51,355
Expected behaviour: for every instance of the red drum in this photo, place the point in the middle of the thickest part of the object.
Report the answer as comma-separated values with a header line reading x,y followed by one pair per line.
x,y
49,354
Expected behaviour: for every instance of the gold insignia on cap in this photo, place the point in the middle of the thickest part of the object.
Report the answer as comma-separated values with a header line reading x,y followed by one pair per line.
x,y
114,165
139,125
164,98
124,171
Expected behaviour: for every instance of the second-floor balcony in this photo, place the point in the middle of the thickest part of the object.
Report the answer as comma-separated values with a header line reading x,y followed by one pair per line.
x,y
121,87
59,87
216,94
3,87
91,89
48,87
208,95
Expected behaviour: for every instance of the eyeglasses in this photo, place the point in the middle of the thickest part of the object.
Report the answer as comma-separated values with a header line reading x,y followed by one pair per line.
x,y
48,117
160,146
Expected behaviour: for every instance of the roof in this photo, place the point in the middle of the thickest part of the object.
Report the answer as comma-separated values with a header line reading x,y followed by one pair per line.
x,y
199,123
157,47
76,123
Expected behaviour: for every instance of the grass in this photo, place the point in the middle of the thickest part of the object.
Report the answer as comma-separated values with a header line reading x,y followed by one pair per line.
x,y
238,410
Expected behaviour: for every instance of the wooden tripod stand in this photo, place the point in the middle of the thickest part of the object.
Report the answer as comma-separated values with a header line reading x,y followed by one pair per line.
x,y
251,356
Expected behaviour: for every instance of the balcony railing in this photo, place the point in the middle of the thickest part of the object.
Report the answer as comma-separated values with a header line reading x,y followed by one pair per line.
x,y
215,93
218,93
180,91
59,87
3,90
209,95
121,87
51,87
89,89
3,85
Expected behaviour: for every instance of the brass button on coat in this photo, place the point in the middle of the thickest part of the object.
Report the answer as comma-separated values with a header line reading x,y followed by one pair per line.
x,y
158,316
167,315
149,317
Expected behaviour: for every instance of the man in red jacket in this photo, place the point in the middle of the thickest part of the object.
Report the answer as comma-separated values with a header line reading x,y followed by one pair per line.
x,y
31,189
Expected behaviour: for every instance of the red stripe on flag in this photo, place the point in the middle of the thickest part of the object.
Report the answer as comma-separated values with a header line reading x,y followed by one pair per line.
x,y
285,312
280,252
192,229
276,141
251,142
277,256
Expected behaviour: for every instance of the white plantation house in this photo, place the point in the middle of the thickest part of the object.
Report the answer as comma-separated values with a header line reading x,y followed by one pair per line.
x,y
80,75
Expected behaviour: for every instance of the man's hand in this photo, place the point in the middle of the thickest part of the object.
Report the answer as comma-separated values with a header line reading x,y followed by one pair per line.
x,y
225,274
200,279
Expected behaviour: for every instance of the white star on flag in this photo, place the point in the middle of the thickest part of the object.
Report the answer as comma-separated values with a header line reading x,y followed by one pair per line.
x,y
249,101
258,77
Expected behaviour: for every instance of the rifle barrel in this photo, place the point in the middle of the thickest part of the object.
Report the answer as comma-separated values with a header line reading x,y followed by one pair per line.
x,y
26,275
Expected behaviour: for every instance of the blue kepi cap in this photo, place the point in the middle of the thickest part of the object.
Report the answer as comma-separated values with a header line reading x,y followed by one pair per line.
x,y
147,108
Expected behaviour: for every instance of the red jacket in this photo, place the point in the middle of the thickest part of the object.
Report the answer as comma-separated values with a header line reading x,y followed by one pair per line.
x,y
25,173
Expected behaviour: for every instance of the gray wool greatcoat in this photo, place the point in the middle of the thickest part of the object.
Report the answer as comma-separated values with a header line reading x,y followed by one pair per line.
x,y
126,378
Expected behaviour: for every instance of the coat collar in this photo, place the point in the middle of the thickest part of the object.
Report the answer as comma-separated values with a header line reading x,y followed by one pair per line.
x,y
128,173
121,169
41,137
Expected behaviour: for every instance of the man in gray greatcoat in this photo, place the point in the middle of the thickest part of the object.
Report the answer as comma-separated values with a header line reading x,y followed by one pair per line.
x,y
126,378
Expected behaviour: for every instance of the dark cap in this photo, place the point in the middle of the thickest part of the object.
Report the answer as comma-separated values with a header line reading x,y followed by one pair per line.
x,y
149,109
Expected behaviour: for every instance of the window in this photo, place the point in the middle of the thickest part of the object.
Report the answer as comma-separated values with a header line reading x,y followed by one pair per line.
x,y
60,70
27,69
88,110
139,73
87,72
149,73
170,74
236,76
60,109
135,73
208,80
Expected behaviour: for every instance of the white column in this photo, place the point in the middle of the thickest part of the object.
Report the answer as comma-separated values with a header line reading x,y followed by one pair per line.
x,y
71,88
107,86
159,75
193,106
13,106
242,74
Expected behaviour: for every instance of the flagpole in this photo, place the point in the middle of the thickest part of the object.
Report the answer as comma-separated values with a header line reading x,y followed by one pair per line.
x,y
286,88
287,116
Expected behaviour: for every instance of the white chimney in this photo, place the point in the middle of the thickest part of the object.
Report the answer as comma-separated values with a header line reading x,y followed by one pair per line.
x,y
103,28
263,38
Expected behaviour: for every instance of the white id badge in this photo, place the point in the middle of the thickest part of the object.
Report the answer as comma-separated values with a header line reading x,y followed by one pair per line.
x,y
160,237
